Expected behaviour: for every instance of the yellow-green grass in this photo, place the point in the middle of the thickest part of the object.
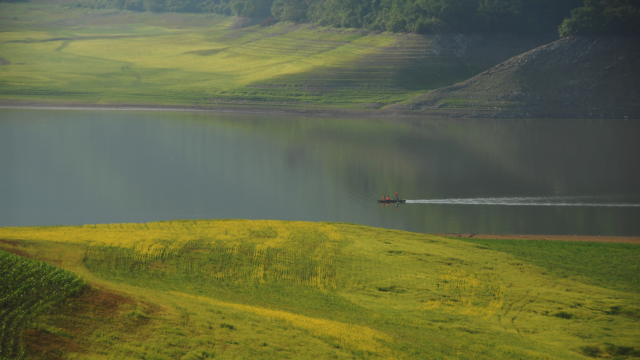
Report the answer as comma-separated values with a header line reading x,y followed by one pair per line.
x,y
276,289
75,56
596,263
129,60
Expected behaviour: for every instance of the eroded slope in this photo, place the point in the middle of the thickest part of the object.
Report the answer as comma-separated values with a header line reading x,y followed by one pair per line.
x,y
575,77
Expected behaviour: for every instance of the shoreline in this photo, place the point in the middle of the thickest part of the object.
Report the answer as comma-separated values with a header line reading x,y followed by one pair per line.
x,y
239,109
391,112
583,238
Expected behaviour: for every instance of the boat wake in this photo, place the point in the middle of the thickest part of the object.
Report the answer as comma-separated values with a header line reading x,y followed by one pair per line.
x,y
599,201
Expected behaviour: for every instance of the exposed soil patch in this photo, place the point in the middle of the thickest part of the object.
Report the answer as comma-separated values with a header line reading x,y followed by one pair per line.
x,y
10,242
4,61
67,327
17,252
43,345
13,248
614,239
101,302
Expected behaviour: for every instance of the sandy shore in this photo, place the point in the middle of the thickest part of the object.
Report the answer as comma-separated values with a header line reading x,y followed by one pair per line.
x,y
615,239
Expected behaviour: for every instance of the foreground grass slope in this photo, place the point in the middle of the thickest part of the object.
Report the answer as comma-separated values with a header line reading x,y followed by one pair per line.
x,y
274,289
61,55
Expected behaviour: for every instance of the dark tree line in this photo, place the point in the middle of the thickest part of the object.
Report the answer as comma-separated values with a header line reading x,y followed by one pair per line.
x,y
591,17
612,17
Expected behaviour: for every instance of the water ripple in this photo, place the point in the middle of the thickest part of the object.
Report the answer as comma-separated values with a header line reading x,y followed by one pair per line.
x,y
531,201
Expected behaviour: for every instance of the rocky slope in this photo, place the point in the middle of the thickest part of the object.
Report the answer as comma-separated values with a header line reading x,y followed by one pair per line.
x,y
575,77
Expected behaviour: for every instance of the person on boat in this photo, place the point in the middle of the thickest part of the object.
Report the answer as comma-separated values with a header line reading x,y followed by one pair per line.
x,y
397,199
383,197
388,198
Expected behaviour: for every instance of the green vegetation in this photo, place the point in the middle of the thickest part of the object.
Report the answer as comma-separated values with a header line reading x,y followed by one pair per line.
x,y
78,56
593,17
274,289
604,17
169,59
608,265
29,288
422,16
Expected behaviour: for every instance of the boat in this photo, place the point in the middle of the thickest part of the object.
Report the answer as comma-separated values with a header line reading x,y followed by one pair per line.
x,y
391,201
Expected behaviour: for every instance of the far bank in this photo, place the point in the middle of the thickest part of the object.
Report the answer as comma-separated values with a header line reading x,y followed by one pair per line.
x,y
73,57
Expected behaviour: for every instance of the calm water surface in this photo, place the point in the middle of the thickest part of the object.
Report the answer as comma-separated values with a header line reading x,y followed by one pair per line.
x,y
480,176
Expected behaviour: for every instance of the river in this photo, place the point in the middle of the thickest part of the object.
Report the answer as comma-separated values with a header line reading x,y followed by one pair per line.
x,y
525,176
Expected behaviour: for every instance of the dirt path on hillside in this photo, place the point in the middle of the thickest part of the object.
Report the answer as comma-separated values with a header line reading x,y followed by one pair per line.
x,y
614,239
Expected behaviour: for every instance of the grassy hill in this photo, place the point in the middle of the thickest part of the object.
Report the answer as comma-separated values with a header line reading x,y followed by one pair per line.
x,y
275,289
61,55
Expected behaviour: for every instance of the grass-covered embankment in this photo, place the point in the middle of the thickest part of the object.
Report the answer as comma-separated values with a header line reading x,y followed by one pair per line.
x,y
68,56
274,289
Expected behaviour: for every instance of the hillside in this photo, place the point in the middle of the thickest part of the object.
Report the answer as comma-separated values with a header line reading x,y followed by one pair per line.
x,y
575,77
277,289
59,56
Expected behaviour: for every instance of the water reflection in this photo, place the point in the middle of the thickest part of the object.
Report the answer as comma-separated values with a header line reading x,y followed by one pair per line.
x,y
76,167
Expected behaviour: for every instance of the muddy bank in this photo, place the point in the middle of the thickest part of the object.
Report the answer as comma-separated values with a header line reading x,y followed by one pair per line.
x,y
613,239
241,109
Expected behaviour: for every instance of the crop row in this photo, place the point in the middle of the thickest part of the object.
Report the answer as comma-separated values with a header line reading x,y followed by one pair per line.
x,y
27,289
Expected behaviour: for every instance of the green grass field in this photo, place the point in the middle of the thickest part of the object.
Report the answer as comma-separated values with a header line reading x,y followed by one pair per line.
x,y
609,265
56,54
274,289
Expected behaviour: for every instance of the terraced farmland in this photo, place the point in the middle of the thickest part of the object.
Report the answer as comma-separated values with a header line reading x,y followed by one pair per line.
x,y
59,56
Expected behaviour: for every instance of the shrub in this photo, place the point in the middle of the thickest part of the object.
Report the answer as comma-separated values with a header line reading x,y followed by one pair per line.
x,y
591,351
622,350
563,315
269,21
